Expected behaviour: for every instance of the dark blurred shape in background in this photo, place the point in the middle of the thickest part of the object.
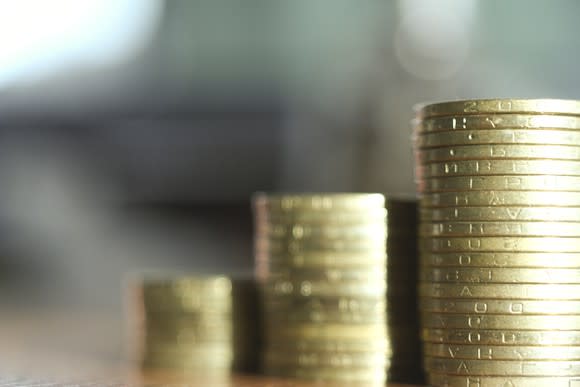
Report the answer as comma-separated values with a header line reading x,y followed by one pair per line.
x,y
132,132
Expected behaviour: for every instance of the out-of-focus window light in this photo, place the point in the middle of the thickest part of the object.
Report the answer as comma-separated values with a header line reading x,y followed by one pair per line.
x,y
433,38
43,38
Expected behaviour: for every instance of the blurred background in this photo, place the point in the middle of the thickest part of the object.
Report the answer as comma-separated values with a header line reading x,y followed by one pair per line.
x,y
133,132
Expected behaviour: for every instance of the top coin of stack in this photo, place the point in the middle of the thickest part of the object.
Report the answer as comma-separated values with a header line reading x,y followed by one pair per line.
x,y
500,241
321,263
196,323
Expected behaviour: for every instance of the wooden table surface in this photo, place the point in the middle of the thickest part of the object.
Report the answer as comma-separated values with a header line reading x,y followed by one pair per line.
x,y
74,347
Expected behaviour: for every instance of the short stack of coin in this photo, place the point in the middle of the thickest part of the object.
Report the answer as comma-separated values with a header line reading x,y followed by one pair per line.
x,y
206,325
500,242
321,264
402,277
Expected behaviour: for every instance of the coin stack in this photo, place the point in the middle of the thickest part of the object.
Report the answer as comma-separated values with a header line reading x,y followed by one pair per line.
x,y
402,277
321,265
500,242
206,325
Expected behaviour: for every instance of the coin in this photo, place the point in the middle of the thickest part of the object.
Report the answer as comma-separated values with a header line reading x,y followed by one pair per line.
x,y
318,201
501,337
499,167
300,232
325,359
502,352
501,381
497,136
507,183
479,321
307,288
328,331
328,275
501,198
506,228
286,315
453,152
375,216
494,213
343,304
268,246
211,285
497,121
501,275
366,376
502,367
492,306
501,291
322,259
498,259
547,244
329,344
499,106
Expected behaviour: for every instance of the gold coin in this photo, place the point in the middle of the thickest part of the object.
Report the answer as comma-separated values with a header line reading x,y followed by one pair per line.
x,y
296,344
497,121
511,259
509,228
501,291
501,352
329,275
506,183
499,106
185,336
187,304
500,275
363,377
210,285
498,152
286,316
502,367
497,136
371,217
340,245
328,304
318,201
327,331
501,337
493,213
322,259
189,350
308,288
498,167
502,381
379,238
478,321
300,232
547,244
491,306
501,198
325,359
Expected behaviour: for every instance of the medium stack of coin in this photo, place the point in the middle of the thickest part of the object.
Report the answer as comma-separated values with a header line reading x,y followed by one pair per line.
x,y
500,241
321,265
402,277
200,324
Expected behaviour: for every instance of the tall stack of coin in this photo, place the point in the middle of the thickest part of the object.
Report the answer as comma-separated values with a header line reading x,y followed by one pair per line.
x,y
500,248
402,277
200,324
321,264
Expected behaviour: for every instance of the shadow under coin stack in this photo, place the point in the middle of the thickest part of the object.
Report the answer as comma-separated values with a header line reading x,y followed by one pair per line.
x,y
205,325
402,277
321,264
500,248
